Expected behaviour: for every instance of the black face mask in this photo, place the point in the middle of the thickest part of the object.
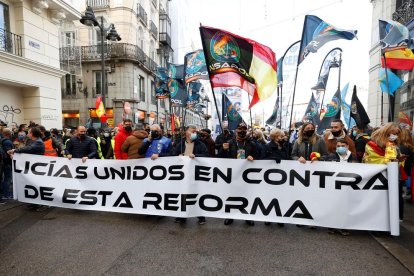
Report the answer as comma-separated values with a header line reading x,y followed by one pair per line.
x,y
82,136
128,128
336,133
242,134
309,133
155,134
226,132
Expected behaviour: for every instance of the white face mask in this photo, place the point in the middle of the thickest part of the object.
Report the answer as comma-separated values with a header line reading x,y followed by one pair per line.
x,y
393,137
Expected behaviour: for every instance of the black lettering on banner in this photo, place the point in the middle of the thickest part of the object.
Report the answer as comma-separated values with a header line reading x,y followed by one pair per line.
x,y
104,194
322,177
298,205
200,172
217,207
217,172
68,194
156,203
52,165
187,199
381,178
155,177
27,191
144,173
115,172
88,197
16,170
176,170
248,180
126,204
34,167
241,206
169,202
353,183
64,172
81,172
95,172
274,204
275,182
46,193
305,181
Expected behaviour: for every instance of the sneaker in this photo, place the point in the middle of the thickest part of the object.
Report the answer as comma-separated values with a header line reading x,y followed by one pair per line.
x,y
201,220
228,221
250,222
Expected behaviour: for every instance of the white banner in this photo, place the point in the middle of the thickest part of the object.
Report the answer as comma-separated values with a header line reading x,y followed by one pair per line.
x,y
336,195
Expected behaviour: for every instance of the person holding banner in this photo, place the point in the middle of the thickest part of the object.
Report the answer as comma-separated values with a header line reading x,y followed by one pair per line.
x,y
239,148
337,132
134,142
81,146
120,138
155,145
192,147
309,146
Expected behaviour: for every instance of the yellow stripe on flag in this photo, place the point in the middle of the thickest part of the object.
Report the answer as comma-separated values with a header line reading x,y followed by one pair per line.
x,y
265,77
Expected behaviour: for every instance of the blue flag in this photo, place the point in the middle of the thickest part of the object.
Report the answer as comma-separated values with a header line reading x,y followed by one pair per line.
x,y
312,112
272,119
393,80
161,80
393,34
346,108
232,112
176,71
333,111
317,33
193,93
280,70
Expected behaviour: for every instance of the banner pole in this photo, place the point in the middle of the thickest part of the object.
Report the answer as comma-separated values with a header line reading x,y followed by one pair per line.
x,y
392,175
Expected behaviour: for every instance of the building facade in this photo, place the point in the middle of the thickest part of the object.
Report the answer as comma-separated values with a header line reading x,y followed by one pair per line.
x,y
403,12
30,74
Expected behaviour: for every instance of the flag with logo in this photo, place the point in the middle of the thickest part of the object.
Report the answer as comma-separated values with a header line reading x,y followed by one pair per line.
x,y
317,33
193,93
161,81
178,95
332,111
393,35
346,108
273,118
235,61
176,71
232,111
100,109
358,112
195,66
312,112
394,82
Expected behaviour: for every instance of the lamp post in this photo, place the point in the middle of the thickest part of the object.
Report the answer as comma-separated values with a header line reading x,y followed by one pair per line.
x,y
90,20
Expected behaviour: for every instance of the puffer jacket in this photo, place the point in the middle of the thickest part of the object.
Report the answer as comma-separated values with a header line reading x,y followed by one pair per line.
x,y
133,143
120,138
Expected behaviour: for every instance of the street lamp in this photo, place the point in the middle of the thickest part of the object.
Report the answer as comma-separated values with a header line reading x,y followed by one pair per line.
x,y
90,20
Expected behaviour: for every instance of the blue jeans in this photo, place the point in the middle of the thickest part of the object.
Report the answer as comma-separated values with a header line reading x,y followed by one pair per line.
x,y
6,185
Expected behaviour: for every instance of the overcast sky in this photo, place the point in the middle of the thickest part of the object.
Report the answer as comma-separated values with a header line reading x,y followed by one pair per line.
x,y
278,24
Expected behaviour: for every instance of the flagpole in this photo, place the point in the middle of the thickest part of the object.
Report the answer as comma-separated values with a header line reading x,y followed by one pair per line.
x,y
281,104
339,69
250,111
390,115
293,97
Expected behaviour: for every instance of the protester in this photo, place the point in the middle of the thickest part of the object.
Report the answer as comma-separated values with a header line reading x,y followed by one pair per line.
x,y
52,146
107,145
308,142
34,146
361,139
7,145
205,137
337,132
260,142
191,147
92,133
238,148
155,145
81,146
342,154
225,137
123,133
134,142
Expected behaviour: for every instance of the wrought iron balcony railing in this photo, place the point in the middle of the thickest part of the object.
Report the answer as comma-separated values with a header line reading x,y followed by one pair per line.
x,y
405,13
10,42
407,105
98,4
165,39
153,29
142,15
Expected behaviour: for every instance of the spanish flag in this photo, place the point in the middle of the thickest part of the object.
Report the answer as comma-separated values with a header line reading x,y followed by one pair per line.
x,y
400,59
235,61
100,109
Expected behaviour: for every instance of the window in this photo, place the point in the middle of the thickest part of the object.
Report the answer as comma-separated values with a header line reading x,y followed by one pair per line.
x,y
68,39
98,81
141,88
4,17
141,39
70,84
152,50
153,98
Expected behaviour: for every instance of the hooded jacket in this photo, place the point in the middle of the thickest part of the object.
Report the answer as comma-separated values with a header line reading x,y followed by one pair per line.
x,y
133,143
120,138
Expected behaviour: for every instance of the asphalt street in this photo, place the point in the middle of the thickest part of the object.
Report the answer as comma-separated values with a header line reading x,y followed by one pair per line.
x,y
71,242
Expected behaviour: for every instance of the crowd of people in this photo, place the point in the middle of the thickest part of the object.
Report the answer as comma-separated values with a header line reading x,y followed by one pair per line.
x,y
388,143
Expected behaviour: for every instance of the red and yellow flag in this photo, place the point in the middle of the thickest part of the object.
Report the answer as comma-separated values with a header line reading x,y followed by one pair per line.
x,y
400,59
100,109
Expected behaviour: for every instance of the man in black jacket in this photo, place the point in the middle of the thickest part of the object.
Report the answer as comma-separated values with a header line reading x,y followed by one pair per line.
x,y
35,144
81,146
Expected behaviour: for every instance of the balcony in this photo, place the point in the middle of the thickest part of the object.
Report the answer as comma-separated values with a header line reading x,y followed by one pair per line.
x,y
98,4
407,105
142,15
10,42
165,29
153,29
405,13
69,93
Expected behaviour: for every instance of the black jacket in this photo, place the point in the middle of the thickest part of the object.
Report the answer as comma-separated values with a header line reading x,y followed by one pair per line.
x,y
33,147
249,147
81,148
274,153
200,150
221,138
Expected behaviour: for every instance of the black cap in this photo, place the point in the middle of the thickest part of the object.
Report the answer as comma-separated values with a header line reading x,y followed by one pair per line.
x,y
206,130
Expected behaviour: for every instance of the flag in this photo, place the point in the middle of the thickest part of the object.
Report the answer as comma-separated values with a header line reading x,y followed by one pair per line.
x,y
235,61
232,113
333,111
195,66
344,92
193,93
346,108
161,80
272,119
394,82
393,35
312,112
100,109
317,33
280,70
177,91
358,112
329,62
400,59
404,120
176,71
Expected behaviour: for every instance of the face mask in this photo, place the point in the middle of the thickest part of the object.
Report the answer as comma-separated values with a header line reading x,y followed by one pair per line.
x,y
154,134
341,150
106,134
354,133
128,128
193,136
21,137
82,136
309,133
393,137
242,134
336,133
